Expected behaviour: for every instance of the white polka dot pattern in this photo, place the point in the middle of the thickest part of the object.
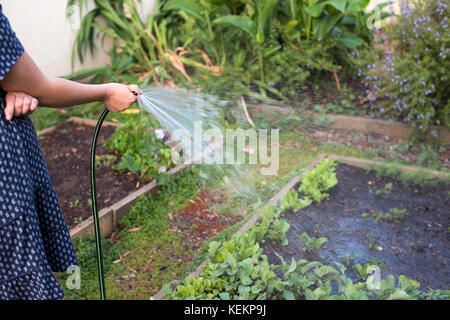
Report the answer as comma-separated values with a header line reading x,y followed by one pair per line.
x,y
34,238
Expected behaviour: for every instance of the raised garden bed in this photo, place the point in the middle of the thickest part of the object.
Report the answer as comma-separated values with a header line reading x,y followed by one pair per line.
x,y
66,148
408,240
413,240
392,129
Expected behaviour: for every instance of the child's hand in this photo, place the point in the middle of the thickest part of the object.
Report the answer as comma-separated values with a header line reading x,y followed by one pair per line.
x,y
19,104
120,97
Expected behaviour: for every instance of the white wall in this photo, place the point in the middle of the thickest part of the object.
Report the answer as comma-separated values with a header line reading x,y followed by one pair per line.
x,y
44,31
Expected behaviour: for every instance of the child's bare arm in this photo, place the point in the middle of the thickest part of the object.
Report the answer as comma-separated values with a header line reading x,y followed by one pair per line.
x,y
19,104
25,76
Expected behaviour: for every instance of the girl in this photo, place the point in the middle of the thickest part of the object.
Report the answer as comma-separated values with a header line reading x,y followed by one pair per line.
x,y
34,238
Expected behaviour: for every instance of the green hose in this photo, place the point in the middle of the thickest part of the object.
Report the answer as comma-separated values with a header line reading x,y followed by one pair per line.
x,y
98,243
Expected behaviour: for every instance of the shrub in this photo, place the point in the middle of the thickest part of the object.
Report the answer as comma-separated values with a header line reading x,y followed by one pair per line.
x,y
412,80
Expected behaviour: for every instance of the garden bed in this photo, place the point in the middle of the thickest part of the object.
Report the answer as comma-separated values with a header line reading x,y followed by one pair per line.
x,y
416,246
66,148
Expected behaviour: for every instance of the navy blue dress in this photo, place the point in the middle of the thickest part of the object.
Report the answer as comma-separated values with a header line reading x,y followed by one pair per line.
x,y
34,238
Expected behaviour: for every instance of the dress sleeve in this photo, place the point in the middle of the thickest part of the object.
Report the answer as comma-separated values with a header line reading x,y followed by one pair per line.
x,y
10,47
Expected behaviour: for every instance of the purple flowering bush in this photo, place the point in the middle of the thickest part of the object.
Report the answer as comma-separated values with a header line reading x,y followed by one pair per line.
x,y
411,79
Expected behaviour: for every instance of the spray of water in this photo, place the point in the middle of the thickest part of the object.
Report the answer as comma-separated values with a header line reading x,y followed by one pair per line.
x,y
177,109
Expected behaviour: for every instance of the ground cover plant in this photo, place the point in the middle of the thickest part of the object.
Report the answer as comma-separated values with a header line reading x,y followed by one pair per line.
x,y
143,148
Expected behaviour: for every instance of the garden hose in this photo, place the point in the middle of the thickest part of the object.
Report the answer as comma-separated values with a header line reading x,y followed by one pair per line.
x,y
98,244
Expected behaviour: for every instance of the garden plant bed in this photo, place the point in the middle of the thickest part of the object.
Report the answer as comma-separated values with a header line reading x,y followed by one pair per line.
x,y
417,246
66,150
199,223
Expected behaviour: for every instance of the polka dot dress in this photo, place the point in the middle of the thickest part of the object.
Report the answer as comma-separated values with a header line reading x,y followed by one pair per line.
x,y
34,238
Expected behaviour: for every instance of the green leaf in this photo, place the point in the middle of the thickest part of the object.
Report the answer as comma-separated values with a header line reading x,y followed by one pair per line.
x,y
350,40
288,295
246,280
322,271
243,23
224,296
212,249
316,10
190,7
357,5
338,4
293,266
399,295
326,24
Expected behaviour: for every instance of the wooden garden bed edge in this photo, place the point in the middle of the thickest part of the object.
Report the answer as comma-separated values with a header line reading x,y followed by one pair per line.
x,y
393,129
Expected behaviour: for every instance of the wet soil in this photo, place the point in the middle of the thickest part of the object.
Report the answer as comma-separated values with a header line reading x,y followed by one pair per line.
x,y
198,222
66,151
417,246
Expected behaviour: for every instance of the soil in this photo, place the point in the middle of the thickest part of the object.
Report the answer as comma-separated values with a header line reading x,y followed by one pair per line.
x,y
66,151
417,246
198,222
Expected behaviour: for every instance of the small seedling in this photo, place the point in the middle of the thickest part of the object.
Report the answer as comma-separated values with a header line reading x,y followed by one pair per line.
x,y
417,245
78,220
377,262
312,243
386,190
346,258
394,214
372,243
74,204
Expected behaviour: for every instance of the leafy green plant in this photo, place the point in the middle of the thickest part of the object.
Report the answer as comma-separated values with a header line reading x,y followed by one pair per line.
x,y
142,151
74,204
373,245
292,200
145,51
318,180
238,269
385,190
394,214
312,243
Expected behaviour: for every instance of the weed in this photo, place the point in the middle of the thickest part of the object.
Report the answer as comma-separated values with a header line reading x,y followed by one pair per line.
x,y
385,190
394,214
74,204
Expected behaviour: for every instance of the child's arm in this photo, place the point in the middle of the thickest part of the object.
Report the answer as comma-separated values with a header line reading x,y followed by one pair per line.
x,y
19,104
25,76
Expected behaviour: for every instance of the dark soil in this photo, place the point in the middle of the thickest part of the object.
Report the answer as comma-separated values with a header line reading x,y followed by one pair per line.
x,y
199,223
417,246
66,152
